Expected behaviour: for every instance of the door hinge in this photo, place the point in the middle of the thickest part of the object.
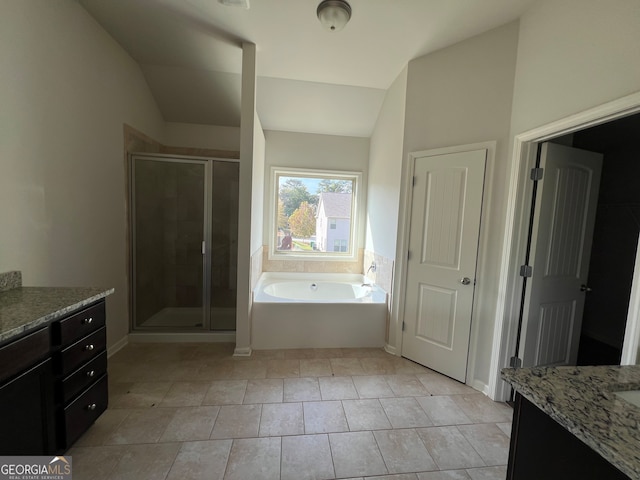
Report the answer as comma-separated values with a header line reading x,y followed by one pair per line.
x,y
515,362
526,271
414,181
408,254
403,325
537,174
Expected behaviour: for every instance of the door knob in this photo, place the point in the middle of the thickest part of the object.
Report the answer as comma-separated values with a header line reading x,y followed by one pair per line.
x,y
465,281
584,288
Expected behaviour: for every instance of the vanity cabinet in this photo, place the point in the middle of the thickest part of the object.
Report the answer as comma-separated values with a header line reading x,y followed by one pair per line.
x,y
26,403
80,364
53,378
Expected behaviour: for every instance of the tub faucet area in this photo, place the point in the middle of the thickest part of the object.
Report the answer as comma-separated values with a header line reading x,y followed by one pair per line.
x,y
372,268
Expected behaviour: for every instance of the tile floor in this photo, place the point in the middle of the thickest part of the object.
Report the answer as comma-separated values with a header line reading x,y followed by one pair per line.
x,y
193,411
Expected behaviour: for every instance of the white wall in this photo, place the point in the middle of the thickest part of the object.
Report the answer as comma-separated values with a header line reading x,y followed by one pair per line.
x,y
202,136
66,90
462,95
308,150
385,172
574,55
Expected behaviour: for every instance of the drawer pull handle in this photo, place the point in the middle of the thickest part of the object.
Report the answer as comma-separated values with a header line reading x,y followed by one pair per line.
x,y
91,373
89,347
91,406
87,321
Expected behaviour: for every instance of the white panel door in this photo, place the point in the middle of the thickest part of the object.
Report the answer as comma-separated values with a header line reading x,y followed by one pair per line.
x,y
443,244
564,218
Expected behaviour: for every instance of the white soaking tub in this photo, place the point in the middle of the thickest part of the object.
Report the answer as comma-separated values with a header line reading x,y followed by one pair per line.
x,y
312,310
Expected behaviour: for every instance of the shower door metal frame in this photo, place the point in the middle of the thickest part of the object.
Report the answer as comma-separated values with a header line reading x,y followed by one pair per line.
x,y
207,162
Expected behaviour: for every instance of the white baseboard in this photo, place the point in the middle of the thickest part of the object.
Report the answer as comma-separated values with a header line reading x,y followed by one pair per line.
x,y
116,347
390,349
481,387
159,337
242,352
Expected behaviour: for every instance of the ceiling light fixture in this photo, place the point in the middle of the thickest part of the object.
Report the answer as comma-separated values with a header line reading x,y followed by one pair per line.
x,y
334,14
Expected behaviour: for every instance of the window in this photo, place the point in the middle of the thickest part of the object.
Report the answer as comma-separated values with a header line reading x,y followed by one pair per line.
x,y
314,213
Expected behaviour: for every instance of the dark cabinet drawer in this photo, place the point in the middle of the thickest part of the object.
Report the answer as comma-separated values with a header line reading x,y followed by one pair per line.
x,y
82,351
83,377
79,324
84,410
21,354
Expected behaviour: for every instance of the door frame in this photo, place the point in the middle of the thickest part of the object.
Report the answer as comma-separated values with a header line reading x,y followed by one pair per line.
x,y
523,158
394,344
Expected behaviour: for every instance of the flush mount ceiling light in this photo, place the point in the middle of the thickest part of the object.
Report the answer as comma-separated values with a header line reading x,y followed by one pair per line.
x,y
334,14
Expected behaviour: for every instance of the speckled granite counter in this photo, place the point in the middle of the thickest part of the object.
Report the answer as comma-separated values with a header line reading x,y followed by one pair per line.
x,y
24,308
582,400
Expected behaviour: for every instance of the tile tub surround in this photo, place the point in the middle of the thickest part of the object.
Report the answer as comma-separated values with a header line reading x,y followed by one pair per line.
x,y
582,400
24,308
10,280
193,411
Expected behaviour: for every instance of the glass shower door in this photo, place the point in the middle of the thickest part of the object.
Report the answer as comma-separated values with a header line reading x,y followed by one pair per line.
x,y
224,244
168,219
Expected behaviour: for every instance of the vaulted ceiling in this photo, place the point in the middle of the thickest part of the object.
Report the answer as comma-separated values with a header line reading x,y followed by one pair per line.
x,y
309,79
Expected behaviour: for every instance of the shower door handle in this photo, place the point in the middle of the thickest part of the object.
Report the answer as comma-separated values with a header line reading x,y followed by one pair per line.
x,y
204,247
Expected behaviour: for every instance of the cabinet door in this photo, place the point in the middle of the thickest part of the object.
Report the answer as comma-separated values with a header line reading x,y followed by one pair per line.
x,y
26,413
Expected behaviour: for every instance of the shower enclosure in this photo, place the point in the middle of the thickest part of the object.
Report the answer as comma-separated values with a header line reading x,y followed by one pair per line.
x,y
184,232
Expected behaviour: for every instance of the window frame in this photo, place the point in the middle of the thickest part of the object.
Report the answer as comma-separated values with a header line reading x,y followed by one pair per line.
x,y
356,201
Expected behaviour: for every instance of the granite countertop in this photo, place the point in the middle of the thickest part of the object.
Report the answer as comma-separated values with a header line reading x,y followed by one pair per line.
x,y
582,400
24,308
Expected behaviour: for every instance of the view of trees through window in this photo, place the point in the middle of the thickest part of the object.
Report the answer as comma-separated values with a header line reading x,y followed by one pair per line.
x,y
314,213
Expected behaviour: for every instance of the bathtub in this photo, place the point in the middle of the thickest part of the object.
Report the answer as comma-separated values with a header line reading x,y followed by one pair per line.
x,y
311,310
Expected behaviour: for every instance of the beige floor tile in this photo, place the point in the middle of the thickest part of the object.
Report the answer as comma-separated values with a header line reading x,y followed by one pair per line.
x,y
257,458
299,353
438,384
146,462
481,409
449,448
225,392
141,426
315,367
328,353
279,419
505,427
237,421
488,473
268,354
249,369
405,366
346,366
489,441
403,451
306,457
301,390
442,410
324,417
365,414
185,394
378,366
372,386
103,427
285,368
266,390
396,476
337,388
85,461
190,424
356,453
222,370
445,475
406,385
199,460
140,395
405,412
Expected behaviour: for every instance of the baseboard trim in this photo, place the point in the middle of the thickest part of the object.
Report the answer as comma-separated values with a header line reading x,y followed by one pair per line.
x,y
390,349
160,337
116,347
242,352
